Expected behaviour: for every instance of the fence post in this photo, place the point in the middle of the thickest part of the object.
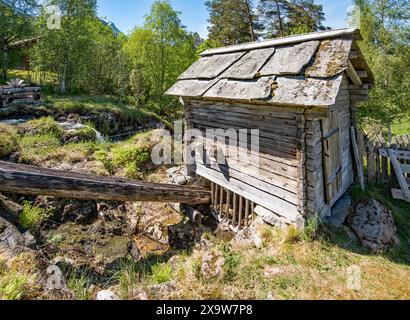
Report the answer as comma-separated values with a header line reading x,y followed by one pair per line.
x,y
371,165
385,166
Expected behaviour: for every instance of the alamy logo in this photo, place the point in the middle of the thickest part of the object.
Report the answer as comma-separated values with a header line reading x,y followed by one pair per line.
x,y
53,17
354,278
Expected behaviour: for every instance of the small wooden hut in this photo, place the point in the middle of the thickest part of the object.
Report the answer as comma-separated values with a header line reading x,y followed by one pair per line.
x,y
301,93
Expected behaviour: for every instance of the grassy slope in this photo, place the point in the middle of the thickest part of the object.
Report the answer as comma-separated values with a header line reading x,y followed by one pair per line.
x,y
289,266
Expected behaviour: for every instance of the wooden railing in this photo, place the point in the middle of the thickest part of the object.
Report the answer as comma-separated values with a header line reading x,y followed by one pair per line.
x,y
378,168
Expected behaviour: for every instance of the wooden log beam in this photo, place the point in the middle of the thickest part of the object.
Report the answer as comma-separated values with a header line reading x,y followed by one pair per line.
x,y
29,180
354,75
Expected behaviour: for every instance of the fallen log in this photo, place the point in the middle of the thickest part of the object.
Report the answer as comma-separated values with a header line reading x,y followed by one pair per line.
x,y
11,210
28,180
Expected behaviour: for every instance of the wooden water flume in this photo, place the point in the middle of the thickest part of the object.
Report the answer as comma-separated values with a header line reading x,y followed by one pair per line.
x,y
28,180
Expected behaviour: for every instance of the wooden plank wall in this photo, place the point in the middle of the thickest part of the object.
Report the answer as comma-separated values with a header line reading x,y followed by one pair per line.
x,y
317,203
276,183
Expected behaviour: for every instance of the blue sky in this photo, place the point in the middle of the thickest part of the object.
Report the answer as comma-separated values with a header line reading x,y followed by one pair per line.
x,y
126,14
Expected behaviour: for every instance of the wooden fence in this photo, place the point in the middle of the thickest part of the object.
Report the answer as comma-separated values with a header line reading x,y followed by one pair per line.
x,y
377,164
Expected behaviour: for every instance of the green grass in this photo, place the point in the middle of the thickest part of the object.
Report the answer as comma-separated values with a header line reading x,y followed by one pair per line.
x,y
161,273
9,140
80,285
31,216
13,285
402,126
127,277
99,105
19,277
42,126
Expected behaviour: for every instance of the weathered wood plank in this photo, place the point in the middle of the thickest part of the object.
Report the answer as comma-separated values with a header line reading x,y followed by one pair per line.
x,y
290,60
354,76
254,180
399,174
359,164
29,180
257,196
371,163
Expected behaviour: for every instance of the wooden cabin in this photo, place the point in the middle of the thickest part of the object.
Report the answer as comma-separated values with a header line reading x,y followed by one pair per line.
x,y
301,93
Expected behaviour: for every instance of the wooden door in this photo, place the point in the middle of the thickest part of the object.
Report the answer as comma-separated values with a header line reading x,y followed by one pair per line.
x,y
332,164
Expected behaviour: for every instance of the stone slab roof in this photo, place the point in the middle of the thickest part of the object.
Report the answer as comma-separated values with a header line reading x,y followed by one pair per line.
x,y
304,70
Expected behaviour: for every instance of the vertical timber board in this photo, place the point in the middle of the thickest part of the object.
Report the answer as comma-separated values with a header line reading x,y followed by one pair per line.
x,y
189,168
371,163
385,167
332,165
302,158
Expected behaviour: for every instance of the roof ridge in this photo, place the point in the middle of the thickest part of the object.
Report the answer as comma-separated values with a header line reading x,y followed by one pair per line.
x,y
285,40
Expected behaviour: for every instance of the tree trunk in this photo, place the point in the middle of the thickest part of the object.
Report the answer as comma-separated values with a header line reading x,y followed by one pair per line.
x,y
63,79
250,20
5,55
279,16
28,180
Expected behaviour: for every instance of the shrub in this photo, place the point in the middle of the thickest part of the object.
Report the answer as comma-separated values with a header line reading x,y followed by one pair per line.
x,y
9,140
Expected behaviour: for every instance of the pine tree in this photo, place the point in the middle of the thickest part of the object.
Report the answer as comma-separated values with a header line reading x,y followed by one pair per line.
x,y
285,17
232,22
305,16
274,15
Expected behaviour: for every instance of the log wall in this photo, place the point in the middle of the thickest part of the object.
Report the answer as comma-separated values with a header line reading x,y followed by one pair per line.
x,y
277,181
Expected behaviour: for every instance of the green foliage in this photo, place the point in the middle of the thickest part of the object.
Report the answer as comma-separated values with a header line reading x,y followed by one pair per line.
x,y
161,273
15,24
80,285
8,140
12,285
31,216
385,28
129,157
127,277
159,52
232,22
232,261
286,17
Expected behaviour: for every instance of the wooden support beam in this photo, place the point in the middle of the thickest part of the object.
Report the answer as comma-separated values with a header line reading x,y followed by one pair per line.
x,y
21,179
359,164
354,54
353,74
